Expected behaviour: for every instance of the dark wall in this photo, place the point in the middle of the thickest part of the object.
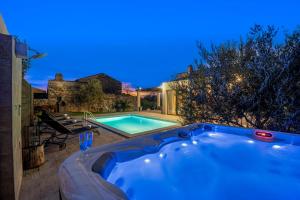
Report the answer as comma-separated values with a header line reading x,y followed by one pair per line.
x,y
10,119
27,110
6,160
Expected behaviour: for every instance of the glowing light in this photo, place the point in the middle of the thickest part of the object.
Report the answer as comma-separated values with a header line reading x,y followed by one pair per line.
x,y
212,135
194,142
275,146
147,160
184,144
161,155
238,78
250,141
263,134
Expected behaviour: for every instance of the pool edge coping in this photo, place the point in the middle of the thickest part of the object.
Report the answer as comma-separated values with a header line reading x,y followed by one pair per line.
x,y
127,135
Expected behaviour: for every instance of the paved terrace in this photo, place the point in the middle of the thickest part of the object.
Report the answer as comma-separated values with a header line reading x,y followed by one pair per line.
x,y
42,183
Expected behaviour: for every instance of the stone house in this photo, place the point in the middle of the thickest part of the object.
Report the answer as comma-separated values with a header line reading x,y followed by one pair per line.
x,y
109,84
62,93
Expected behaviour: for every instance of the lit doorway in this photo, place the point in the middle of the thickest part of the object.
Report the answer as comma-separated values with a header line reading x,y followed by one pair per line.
x,y
171,102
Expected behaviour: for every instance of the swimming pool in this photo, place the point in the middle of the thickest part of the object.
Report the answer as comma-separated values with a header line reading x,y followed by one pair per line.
x,y
192,162
129,125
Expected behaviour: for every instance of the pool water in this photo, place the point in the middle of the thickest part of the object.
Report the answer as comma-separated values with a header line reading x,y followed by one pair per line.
x,y
213,165
133,124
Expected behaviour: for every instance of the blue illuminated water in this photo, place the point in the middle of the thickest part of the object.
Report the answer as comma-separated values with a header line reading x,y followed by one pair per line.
x,y
133,124
211,166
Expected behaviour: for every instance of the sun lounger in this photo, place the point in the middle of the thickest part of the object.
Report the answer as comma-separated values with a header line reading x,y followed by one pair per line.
x,y
63,131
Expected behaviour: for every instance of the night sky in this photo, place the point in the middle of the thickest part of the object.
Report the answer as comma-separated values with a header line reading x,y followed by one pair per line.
x,y
142,42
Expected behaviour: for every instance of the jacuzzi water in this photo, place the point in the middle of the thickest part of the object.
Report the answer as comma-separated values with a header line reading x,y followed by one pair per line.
x,y
133,124
213,165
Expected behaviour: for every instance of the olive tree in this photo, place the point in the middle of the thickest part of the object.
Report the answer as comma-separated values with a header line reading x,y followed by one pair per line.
x,y
91,95
251,83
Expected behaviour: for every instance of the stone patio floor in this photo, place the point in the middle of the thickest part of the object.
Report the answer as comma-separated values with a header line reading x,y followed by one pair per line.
x,y
42,183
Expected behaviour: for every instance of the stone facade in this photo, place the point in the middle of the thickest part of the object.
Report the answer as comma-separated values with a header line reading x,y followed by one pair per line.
x,y
41,103
109,102
109,84
62,95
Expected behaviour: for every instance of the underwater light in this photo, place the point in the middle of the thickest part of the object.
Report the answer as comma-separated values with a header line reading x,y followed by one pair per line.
x,y
275,146
147,160
250,141
184,144
212,134
194,142
161,155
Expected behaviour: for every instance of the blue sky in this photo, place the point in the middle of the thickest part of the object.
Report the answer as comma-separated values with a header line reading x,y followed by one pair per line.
x,y
142,42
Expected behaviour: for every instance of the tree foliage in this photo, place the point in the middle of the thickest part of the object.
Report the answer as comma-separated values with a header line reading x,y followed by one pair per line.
x,y
91,94
149,102
251,83
122,105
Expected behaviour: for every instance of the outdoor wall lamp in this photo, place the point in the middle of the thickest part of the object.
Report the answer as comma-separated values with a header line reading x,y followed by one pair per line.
x,y
37,54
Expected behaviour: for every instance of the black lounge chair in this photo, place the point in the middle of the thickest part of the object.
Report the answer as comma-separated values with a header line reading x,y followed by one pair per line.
x,y
64,131
58,116
65,119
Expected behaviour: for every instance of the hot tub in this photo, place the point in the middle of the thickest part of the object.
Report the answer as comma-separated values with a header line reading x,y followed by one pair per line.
x,y
200,161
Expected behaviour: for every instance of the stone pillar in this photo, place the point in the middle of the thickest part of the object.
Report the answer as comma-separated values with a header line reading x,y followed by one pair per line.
x,y
10,119
138,96
158,100
164,98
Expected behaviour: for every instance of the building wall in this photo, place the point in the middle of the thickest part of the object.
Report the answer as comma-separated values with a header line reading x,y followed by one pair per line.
x,y
109,84
64,89
68,90
10,119
40,103
3,28
166,86
27,111
17,136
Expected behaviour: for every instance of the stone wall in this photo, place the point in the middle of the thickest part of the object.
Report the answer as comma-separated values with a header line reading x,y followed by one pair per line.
x,y
63,90
42,103
109,84
66,93
108,104
10,119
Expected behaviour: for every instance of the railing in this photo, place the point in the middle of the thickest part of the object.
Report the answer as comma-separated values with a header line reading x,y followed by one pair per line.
x,y
88,115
